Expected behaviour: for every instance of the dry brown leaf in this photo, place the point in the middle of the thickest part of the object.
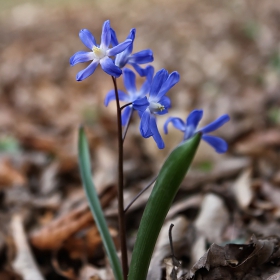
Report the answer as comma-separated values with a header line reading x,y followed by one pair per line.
x,y
171,270
9,176
234,261
224,169
162,249
39,143
213,218
54,234
193,201
198,248
258,143
274,276
271,193
242,189
89,272
85,244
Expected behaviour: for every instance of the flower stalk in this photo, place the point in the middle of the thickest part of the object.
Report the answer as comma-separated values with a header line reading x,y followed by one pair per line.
x,y
121,214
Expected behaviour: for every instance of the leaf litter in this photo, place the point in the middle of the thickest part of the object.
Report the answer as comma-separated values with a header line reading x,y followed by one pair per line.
x,y
226,214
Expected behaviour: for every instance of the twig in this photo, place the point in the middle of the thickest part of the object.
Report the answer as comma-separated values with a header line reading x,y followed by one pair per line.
x,y
175,262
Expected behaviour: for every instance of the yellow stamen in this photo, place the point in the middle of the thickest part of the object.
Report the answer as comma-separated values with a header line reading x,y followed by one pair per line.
x,y
99,53
155,107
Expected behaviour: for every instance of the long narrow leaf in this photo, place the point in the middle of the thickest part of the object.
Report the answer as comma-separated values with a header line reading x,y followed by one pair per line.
x,y
95,207
168,182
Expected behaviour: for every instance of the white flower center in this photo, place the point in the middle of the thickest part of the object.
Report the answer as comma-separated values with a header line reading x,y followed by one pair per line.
x,y
156,107
98,52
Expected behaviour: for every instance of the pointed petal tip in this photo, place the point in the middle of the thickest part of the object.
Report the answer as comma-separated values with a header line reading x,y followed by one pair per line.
x,y
194,117
215,124
219,144
106,22
87,38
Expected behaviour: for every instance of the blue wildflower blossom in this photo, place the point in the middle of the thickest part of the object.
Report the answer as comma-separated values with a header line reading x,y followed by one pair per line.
x,y
133,94
126,57
190,129
99,53
155,104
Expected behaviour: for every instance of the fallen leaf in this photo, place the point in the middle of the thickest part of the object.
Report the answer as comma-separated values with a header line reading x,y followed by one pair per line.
x,y
242,189
213,218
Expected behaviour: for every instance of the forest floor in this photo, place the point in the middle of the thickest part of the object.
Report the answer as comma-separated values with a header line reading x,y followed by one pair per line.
x,y
228,56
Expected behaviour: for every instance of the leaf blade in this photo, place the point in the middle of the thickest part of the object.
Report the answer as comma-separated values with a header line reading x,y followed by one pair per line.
x,y
169,179
95,207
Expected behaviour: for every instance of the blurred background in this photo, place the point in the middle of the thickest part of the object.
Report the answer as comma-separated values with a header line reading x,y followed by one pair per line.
x,y
228,56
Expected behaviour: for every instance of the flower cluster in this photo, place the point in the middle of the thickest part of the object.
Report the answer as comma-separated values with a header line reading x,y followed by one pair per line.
x,y
150,100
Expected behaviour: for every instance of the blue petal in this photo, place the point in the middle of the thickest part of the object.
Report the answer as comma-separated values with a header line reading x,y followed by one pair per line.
x,y
81,56
150,72
111,96
129,80
215,124
192,122
162,112
145,88
109,67
156,135
194,118
177,122
141,104
119,48
160,77
138,69
141,57
145,124
87,38
126,114
172,80
114,39
131,36
165,101
83,74
105,35
219,144
122,57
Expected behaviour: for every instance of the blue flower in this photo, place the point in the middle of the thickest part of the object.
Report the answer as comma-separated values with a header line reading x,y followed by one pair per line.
x,y
126,57
133,94
190,129
99,53
155,104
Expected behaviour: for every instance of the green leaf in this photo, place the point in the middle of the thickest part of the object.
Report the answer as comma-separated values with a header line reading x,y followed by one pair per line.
x,y
94,204
169,179
9,144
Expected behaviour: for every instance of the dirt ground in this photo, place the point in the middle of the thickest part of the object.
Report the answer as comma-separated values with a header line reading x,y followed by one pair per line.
x,y
228,56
